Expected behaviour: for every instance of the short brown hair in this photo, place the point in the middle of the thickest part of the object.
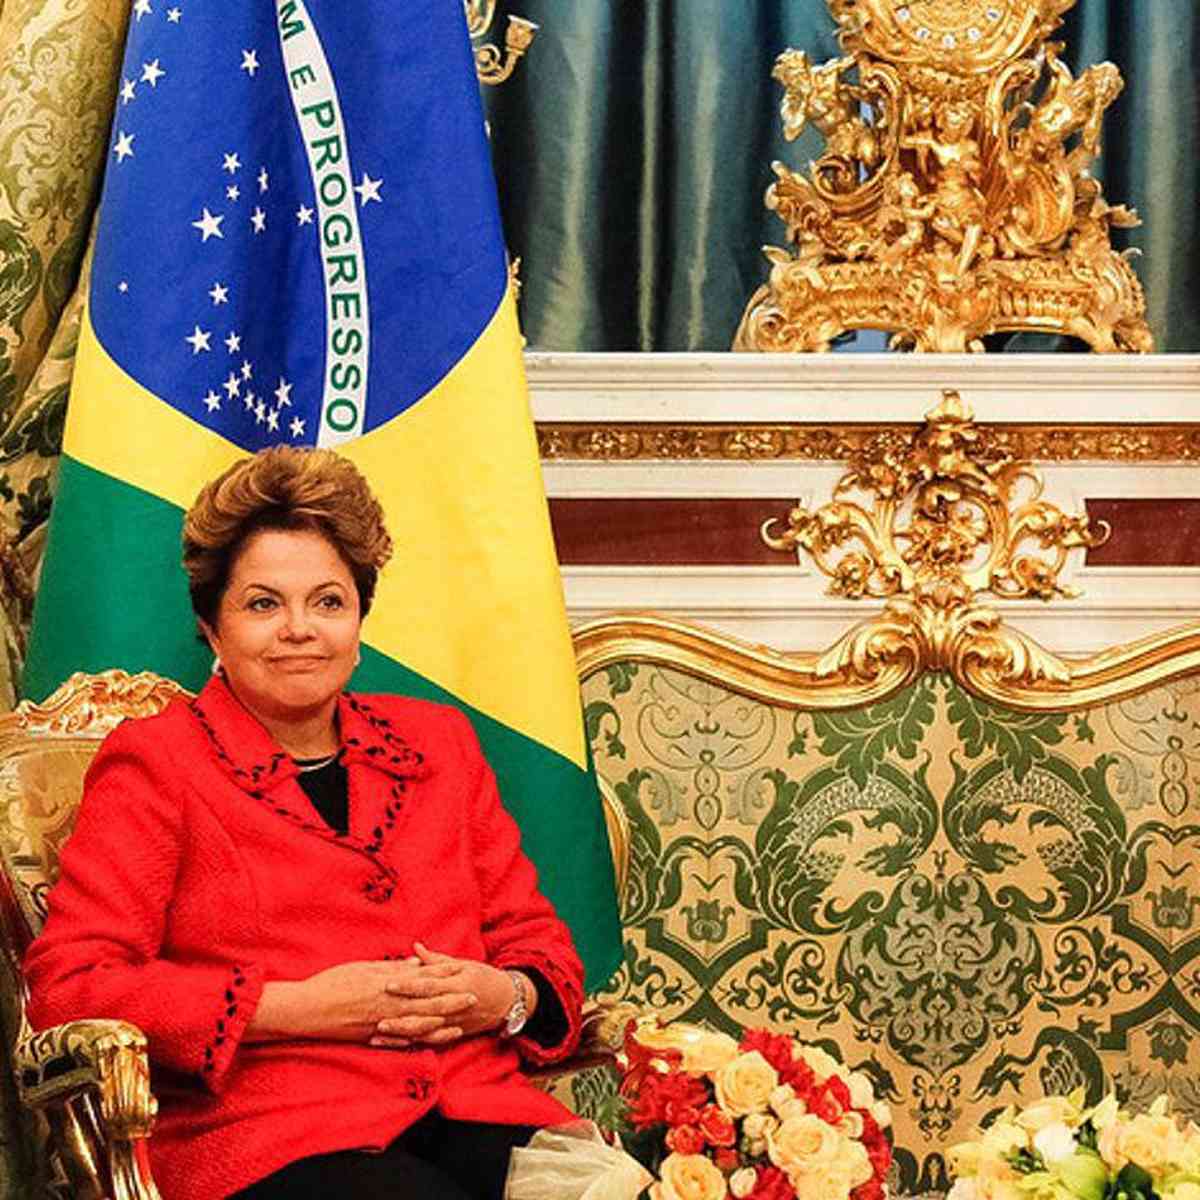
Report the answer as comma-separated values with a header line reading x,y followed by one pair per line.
x,y
283,487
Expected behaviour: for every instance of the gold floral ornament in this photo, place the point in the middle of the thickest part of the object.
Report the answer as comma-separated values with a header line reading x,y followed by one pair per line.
x,y
954,198
948,521
491,66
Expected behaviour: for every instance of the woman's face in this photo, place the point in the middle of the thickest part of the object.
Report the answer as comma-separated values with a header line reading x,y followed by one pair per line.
x,y
288,624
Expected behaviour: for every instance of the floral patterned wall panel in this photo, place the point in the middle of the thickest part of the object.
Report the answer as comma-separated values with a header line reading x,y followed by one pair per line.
x,y
971,903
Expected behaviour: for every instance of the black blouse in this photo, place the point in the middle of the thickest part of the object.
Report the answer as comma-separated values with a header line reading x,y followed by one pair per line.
x,y
328,788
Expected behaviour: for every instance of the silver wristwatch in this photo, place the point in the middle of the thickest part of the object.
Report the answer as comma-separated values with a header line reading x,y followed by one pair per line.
x,y
515,1018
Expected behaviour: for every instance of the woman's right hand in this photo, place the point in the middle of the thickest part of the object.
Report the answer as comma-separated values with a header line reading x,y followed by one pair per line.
x,y
346,1003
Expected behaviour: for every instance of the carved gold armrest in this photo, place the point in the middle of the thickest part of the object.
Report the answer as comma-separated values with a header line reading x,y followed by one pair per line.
x,y
91,1080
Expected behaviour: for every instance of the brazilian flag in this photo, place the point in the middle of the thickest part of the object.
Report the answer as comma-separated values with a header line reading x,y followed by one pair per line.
x,y
299,241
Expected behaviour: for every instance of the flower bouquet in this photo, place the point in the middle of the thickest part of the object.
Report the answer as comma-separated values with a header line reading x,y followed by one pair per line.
x,y
766,1118
1055,1149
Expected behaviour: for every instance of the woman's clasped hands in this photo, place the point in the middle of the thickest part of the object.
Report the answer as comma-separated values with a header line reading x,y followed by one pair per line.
x,y
425,999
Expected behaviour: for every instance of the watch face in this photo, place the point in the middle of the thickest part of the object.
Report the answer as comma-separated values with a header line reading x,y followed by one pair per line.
x,y
951,24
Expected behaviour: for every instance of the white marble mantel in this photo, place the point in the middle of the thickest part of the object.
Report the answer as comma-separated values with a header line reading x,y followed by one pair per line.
x,y
786,606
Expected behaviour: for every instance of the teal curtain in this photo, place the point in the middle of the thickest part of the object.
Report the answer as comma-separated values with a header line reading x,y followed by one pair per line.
x,y
634,143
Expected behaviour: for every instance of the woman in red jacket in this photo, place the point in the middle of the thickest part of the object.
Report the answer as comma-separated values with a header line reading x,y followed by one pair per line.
x,y
311,901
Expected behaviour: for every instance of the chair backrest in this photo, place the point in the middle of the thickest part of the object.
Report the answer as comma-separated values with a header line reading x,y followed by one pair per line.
x,y
971,902
45,751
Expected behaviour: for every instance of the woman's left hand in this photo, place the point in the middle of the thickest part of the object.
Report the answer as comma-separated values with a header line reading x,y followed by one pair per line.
x,y
491,987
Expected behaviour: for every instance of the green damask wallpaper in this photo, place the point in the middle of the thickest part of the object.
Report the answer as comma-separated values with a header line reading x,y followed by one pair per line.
x,y
972,904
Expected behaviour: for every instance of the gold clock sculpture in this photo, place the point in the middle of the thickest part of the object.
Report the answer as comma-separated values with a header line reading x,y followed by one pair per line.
x,y
954,198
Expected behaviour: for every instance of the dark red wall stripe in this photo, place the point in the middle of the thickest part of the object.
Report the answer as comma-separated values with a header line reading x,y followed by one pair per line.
x,y
1148,533
724,532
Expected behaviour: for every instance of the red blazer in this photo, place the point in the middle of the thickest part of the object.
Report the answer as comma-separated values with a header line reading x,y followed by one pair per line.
x,y
198,870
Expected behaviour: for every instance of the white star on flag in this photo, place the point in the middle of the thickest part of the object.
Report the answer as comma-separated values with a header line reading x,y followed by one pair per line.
x,y
232,163
297,427
209,226
259,220
368,190
128,90
272,420
173,15
152,73
198,340
219,293
262,180
122,286
283,393
247,369
124,147
212,400
250,62
142,9
232,385
260,413
234,343
233,191
250,401
304,215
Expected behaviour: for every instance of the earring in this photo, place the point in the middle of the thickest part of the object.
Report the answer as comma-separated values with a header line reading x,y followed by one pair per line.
x,y
216,667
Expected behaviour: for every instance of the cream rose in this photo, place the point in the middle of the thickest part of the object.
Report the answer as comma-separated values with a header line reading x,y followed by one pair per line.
x,y
850,1124
826,1180
742,1181
824,1065
756,1127
881,1110
688,1177
803,1141
745,1085
1151,1142
785,1103
1183,1191
702,1050
1053,1110
1054,1142
853,1159
862,1094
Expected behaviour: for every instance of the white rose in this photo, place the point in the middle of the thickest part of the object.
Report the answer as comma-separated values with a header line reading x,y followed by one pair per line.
x,y
742,1181
1054,1142
881,1110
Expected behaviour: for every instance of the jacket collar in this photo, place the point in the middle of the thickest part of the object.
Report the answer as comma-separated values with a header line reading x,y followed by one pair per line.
x,y
252,758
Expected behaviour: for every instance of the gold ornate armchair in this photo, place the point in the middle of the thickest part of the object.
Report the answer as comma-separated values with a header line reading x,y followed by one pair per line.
x,y
88,1081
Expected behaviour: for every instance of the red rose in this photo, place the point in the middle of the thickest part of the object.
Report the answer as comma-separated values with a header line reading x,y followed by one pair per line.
x,y
685,1139
681,1114
871,1131
772,1185
727,1160
776,1048
879,1151
839,1091
637,1061
871,1190
717,1127
799,1076
824,1104
660,1094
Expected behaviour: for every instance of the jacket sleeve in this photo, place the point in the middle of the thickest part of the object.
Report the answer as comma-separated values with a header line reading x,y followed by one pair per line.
x,y
520,926
100,952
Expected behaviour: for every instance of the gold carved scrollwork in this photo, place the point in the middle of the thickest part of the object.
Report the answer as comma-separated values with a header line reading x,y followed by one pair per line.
x,y
952,515
491,65
954,198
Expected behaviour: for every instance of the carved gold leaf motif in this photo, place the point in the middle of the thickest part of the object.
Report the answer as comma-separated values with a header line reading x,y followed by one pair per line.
x,y
954,199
